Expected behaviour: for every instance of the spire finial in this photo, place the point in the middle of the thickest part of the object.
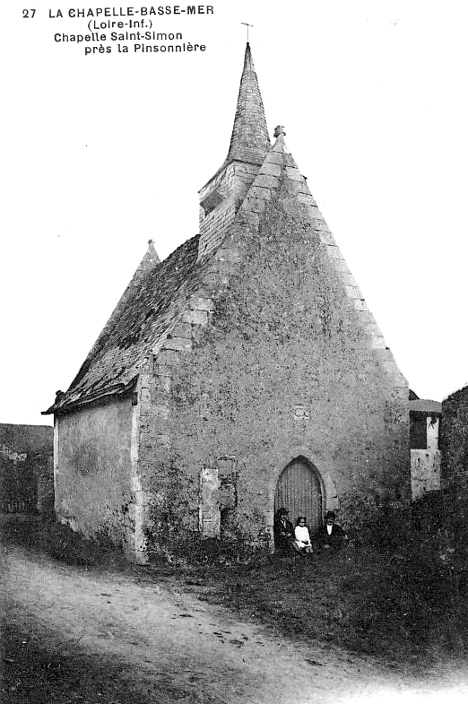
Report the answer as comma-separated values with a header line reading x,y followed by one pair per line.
x,y
279,130
151,256
247,25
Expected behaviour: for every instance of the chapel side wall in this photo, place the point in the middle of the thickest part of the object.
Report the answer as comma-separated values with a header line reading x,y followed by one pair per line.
x,y
93,469
283,368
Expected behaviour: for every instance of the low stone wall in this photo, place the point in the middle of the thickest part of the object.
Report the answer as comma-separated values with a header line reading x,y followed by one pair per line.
x,y
26,468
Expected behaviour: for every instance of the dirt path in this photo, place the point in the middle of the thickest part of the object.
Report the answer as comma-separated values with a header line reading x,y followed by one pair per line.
x,y
172,647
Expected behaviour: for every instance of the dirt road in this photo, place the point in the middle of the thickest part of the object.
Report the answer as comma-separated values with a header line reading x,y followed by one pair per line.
x,y
108,637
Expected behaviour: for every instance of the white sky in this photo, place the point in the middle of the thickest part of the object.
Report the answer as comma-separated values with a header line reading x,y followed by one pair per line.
x,y
102,153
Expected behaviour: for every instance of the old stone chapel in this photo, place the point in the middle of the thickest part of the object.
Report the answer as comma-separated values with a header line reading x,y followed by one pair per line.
x,y
243,373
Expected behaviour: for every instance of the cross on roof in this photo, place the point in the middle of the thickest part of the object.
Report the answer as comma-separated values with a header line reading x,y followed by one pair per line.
x,y
247,25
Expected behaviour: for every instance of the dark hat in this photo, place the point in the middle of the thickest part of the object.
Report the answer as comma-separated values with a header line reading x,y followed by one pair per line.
x,y
330,514
282,511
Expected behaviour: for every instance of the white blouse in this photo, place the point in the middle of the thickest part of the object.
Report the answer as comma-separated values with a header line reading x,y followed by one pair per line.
x,y
302,534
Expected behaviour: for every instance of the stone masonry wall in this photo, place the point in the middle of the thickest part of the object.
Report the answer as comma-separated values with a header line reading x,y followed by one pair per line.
x,y
93,469
454,441
454,468
272,330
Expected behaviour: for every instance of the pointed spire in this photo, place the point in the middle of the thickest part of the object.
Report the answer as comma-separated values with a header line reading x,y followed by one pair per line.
x,y
249,140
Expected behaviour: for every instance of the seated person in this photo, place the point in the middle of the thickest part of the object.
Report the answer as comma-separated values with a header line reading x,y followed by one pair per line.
x,y
301,536
283,530
330,536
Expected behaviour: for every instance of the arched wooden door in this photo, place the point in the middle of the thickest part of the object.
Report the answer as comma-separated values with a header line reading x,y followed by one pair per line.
x,y
299,491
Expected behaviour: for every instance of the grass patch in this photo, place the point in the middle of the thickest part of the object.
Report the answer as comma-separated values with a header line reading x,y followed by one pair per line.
x,y
61,543
394,606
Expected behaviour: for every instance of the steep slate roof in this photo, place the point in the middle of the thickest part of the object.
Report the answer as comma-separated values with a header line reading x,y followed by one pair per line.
x,y
158,294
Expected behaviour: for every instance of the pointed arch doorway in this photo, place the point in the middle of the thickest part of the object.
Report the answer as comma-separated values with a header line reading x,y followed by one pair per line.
x,y
299,490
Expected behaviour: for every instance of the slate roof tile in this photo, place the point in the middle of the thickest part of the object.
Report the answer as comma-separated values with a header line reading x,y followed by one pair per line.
x,y
153,302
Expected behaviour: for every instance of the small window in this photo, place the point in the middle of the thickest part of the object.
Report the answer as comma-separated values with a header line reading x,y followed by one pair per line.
x,y
418,431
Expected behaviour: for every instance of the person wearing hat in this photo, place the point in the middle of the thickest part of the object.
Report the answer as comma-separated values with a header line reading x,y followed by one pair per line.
x,y
330,536
283,530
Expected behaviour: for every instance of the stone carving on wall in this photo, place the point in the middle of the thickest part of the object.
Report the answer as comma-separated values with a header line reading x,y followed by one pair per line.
x,y
218,493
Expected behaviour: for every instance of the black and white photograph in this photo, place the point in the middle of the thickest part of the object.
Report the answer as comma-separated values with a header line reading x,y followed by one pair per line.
x,y
234,403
